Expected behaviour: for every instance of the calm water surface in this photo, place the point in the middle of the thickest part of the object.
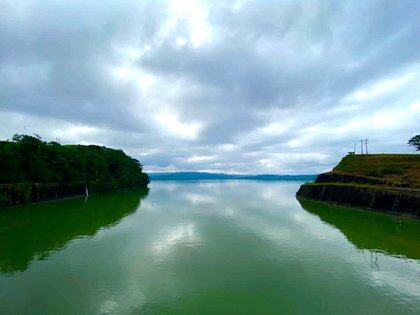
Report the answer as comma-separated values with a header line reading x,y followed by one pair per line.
x,y
232,247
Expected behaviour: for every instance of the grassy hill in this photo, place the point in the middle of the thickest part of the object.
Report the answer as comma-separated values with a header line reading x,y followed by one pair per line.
x,y
394,169
379,182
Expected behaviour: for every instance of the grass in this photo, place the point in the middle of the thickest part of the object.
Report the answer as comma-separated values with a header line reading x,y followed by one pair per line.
x,y
396,169
352,185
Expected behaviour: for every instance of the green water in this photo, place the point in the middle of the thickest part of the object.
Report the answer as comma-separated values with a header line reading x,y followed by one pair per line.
x,y
233,247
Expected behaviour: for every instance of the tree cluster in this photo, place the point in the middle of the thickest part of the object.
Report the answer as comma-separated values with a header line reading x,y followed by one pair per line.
x,y
29,159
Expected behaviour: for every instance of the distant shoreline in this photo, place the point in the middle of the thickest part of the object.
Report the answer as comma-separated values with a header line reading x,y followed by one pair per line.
x,y
190,176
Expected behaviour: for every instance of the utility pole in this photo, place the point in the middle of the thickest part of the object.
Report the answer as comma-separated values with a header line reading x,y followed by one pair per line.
x,y
366,146
354,151
361,146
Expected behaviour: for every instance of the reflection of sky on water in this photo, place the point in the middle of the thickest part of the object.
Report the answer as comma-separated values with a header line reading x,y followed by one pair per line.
x,y
188,238
271,212
183,233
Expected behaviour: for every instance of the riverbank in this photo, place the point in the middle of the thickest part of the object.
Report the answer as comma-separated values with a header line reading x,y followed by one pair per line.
x,y
23,193
33,170
385,183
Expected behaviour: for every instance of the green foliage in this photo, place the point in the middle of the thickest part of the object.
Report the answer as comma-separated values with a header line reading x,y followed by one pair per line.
x,y
415,142
395,169
380,172
3,200
28,159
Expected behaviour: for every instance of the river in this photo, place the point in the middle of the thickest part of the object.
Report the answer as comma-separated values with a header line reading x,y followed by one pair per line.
x,y
206,247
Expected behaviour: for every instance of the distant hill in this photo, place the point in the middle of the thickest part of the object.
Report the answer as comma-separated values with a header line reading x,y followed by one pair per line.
x,y
222,176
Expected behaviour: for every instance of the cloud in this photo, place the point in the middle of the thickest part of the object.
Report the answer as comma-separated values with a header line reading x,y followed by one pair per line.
x,y
242,86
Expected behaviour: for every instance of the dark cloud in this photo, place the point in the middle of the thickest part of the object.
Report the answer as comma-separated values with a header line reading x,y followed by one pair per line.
x,y
243,86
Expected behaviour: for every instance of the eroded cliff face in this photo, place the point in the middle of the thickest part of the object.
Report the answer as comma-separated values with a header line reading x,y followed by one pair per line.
x,y
381,182
377,199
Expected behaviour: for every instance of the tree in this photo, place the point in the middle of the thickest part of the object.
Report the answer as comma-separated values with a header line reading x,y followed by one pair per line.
x,y
29,159
415,142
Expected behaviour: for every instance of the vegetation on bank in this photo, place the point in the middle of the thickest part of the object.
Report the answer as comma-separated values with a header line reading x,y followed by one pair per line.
x,y
33,170
379,182
401,170
349,184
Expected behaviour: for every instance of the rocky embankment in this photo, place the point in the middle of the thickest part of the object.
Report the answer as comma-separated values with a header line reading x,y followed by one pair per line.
x,y
381,182
392,200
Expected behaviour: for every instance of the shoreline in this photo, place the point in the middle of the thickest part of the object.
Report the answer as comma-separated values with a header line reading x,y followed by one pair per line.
x,y
19,194
362,209
401,202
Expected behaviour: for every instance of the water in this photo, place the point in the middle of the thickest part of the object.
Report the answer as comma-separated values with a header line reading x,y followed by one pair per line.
x,y
235,247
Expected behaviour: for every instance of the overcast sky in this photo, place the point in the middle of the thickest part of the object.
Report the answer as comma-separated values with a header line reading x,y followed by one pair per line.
x,y
283,87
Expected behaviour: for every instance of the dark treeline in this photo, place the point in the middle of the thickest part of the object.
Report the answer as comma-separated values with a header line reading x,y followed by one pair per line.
x,y
27,160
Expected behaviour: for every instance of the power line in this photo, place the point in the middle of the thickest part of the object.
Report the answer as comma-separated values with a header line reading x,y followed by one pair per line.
x,y
363,146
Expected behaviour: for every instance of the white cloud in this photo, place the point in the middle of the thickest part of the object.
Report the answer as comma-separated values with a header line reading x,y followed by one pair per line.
x,y
379,89
201,158
195,13
174,127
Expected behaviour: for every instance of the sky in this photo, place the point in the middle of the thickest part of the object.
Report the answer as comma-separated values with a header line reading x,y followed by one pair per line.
x,y
271,87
